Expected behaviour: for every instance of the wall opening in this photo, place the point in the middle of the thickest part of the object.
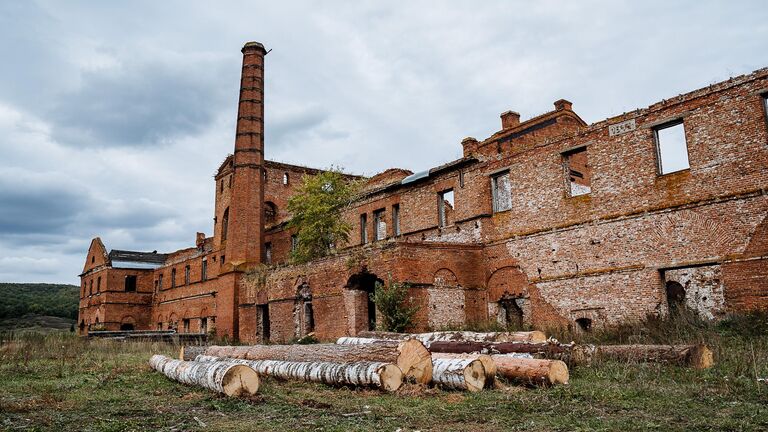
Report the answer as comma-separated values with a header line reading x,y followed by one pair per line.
x,y
126,327
270,213
130,283
675,296
185,325
204,325
671,147
303,312
263,311
445,206
511,312
578,172
379,225
501,192
364,283
585,324
82,326
225,224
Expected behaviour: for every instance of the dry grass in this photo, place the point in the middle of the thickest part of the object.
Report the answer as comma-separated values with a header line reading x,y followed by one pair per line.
x,y
60,382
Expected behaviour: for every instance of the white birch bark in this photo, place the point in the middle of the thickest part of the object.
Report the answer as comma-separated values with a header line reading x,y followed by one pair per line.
x,y
458,374
369,374
222,377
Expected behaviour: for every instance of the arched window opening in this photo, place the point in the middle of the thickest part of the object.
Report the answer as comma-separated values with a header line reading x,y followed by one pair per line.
x,y
285,179
225,224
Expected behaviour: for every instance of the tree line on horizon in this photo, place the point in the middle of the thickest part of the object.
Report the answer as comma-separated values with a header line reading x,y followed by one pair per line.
x,y
19,299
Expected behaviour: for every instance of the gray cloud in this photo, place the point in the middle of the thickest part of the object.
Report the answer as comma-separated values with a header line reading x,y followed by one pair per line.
x,y
140,105
113,115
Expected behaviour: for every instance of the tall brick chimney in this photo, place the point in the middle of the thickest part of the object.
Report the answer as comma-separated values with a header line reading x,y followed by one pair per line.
x,y
246,230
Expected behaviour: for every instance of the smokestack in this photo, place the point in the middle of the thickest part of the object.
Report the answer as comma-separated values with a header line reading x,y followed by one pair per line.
x,y
246,230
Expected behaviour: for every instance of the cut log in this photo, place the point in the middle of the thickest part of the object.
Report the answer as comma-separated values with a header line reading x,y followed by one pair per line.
x,y
386,376
695,356
459,374
189,352
536,372
428,338
410,356
488,364
223,377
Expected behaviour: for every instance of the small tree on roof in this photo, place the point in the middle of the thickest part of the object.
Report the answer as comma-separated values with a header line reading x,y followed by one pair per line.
x,y
316,214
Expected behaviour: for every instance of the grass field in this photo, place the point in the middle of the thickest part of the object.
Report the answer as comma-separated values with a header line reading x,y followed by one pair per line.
x,y
59,382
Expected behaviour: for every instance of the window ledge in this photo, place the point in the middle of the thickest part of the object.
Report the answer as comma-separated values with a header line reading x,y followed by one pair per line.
x,y
501,211
686,171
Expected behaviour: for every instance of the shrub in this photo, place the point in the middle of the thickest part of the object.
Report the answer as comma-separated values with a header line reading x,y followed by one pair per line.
x,y
394,305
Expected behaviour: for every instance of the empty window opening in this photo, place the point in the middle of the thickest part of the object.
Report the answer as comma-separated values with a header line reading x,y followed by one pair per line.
x,y
82,326
159,326
379,225
264,175
204,270
229,181
585,324
126,327
98,285
263,311
461,179
675,296
445,205
364,228
221,185
186,275
160,281
173,278
185,325
396,220
93,259
225,224
268,253
204,325
90,287
286,179
671,147
270,213
130,283
501,192
578,172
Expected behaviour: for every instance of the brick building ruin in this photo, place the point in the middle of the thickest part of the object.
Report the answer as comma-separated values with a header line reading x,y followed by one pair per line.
x,y
548,222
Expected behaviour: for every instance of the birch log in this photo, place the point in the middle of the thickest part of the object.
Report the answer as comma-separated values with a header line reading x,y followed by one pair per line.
x,y
223,377
189,352
459,374
537,372
695,356
428,338
386,376
488,364
410,356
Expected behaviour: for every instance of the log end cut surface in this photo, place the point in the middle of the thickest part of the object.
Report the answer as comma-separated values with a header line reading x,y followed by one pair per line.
x,y
474,376
415,361
240,380
391,377
701,357
558,373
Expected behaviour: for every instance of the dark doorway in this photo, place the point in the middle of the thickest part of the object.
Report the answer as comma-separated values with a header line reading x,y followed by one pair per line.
x,y
513,315
675,296
126,327
366,282
82,326
264,321
585,324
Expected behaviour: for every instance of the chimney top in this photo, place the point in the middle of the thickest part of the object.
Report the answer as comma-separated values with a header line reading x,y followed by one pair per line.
x,y
253,46
563,104
510,119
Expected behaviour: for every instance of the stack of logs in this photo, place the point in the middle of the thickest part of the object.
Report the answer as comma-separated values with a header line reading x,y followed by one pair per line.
x,y
451,360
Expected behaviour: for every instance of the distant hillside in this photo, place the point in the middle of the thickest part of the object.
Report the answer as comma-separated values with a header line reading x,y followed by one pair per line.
x,y
20,299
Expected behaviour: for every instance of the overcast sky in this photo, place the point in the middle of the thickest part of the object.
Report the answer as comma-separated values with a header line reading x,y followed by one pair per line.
x,y
115,115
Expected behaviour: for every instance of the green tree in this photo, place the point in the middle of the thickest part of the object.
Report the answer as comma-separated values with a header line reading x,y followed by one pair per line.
x,y
316,214
393,304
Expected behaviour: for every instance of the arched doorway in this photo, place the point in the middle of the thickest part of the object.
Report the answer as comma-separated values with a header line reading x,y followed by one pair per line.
x,y
363,286
675,296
